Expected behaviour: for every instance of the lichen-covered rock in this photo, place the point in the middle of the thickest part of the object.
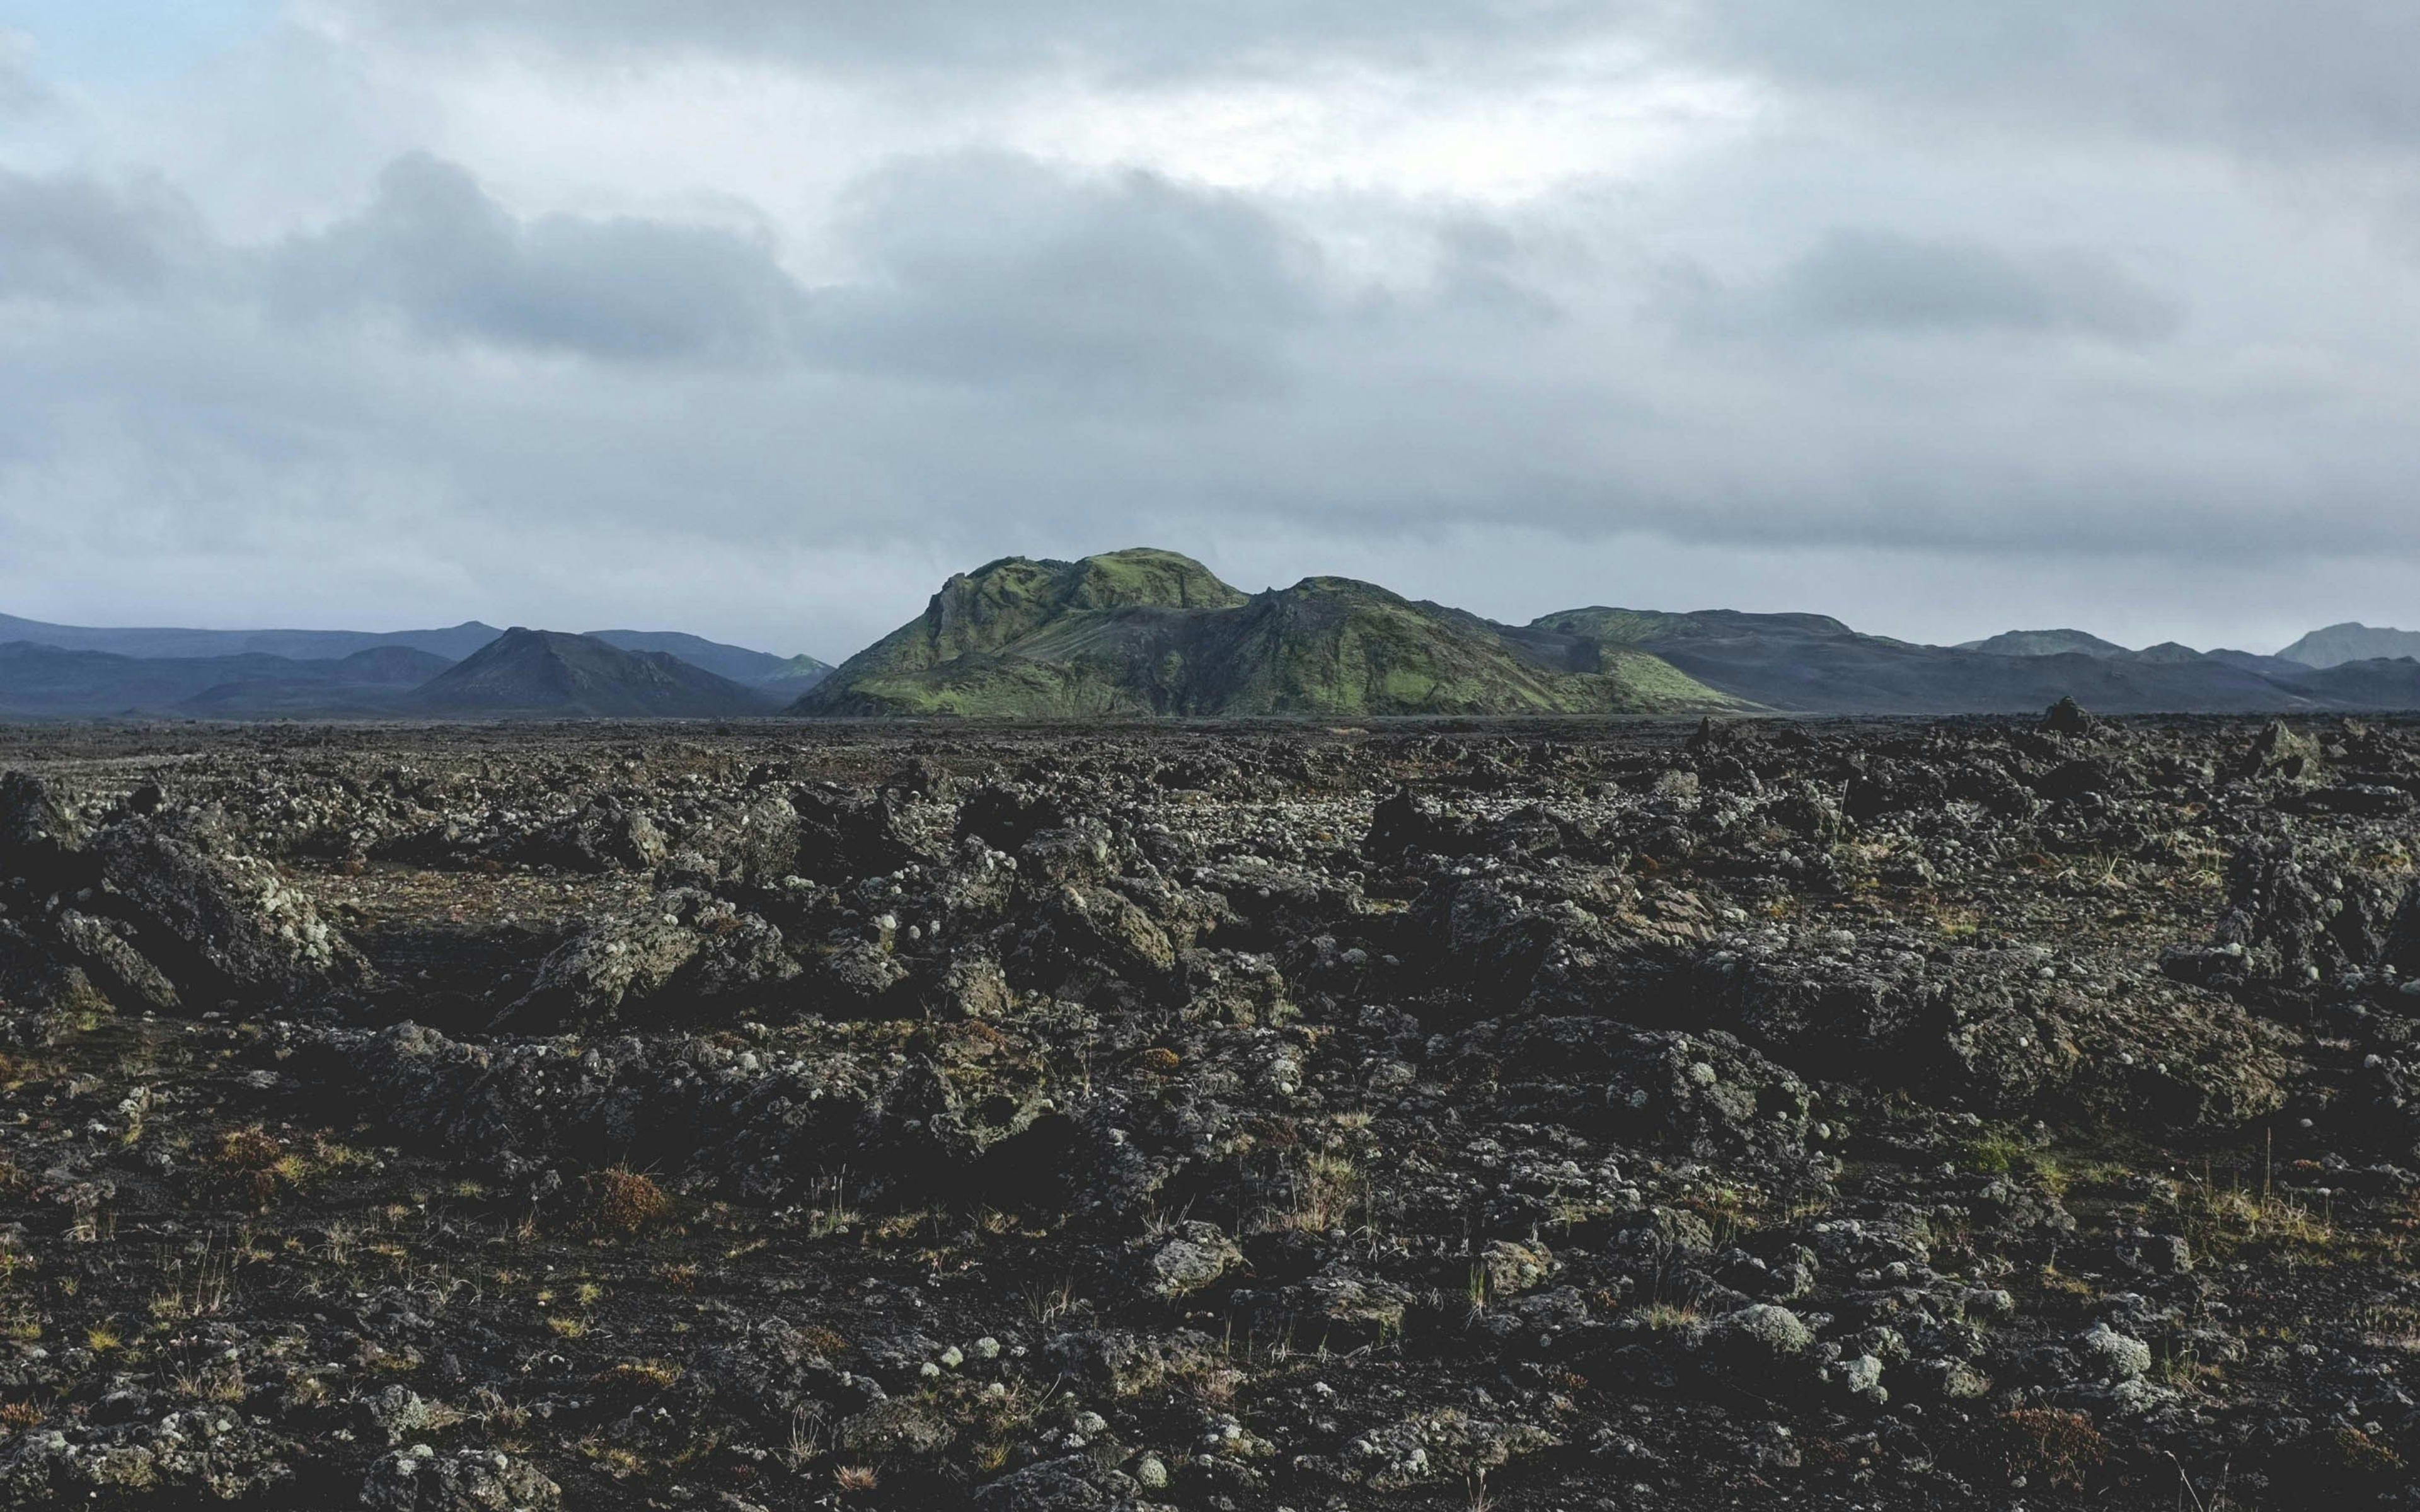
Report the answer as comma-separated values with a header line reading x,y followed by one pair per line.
x,y
105,949
1508,1269
1124,1364
1443,1447
592,979
1759,1336
2106,1354
38,840
1707,1093
1189,1259
205,1456
1859,1378
608,835
1071,1483
2297,914
399,1414
689,956
419,1479
40,991
222,924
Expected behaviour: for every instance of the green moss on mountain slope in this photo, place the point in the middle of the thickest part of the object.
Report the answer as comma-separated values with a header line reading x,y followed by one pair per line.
x,y
1612,627
1147,632
1330,645
1001,603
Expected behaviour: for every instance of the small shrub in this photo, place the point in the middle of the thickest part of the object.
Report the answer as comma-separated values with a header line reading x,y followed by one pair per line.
x,y
1996,1153
1664,1317
2062,1448
249,1162
2359,1457
1328,1187
255,1166
626,1201
822,1340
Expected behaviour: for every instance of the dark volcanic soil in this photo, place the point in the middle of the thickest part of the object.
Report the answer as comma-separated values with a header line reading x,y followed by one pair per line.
x,y
1986,1114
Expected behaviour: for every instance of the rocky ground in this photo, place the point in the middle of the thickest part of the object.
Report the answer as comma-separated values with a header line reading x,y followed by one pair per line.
x,y
1987,1114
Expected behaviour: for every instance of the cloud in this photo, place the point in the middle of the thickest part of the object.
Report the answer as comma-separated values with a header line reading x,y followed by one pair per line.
x,y
21,93
1883,281
762,317
1137,38
991,269
984,269
2251,75
74,239
436,252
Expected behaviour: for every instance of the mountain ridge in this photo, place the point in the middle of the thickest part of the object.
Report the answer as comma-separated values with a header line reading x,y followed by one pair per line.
x,y
1149,632
1145,631
2044,643
1813,664
551,673
453,642
2351,641
740,664
40,680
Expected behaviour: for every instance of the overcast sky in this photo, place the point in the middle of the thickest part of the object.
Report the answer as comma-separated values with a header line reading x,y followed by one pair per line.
x,y
757,318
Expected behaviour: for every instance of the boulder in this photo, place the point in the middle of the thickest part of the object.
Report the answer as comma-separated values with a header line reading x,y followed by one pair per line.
x,y
1189,1259
223,924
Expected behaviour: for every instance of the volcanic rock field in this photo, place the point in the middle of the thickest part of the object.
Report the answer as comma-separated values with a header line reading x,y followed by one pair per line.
x,y
2007,1113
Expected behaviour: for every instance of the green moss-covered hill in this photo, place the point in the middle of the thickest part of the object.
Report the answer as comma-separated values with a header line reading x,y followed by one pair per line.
x,y
1149,632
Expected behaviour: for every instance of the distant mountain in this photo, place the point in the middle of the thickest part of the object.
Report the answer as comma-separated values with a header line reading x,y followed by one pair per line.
x,y
2348,641
1149,632
1810,663
2081,644
547,673
365,683
300,645
2265,666
2045,644
45,681
2381,683
790,675
738,663
797,674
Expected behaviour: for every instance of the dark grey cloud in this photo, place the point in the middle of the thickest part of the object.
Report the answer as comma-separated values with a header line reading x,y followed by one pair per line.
x,y
2263,77
984,269
73,238
1876,280
435,250
987,269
